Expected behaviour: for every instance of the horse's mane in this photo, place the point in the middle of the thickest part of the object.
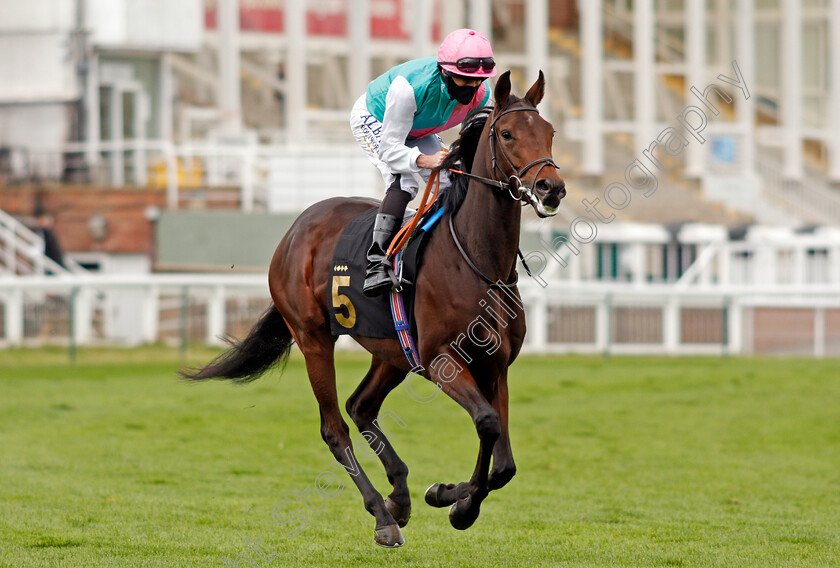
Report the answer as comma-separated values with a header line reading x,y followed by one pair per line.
x,y
461,156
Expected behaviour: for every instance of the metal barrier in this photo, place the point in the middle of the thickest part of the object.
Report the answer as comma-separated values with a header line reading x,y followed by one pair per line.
x,y
668,319
609,318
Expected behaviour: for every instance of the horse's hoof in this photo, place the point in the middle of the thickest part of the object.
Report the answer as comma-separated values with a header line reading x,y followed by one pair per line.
x,y
463,513
401,514
388,536
433,495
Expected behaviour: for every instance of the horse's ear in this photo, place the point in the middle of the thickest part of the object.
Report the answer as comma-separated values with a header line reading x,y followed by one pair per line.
x,y
537,90
502,91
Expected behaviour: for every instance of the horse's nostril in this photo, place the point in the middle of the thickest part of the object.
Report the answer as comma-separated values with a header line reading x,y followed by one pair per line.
x,y
544,186
548,187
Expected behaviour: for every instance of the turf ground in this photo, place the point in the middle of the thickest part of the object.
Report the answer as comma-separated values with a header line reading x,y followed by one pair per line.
x,y
622,462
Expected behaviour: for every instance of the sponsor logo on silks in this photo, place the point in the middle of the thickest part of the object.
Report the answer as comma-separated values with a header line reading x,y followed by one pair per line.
x,y
371,130
371,137
368,120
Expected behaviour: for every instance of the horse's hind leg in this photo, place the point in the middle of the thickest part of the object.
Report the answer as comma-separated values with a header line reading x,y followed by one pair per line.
x,y
318,349
363,407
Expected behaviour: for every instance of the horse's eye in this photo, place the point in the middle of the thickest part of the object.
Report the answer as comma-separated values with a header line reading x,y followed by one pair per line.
x,y
506,134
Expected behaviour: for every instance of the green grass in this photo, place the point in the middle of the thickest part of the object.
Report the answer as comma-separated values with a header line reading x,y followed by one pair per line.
x,y
621,462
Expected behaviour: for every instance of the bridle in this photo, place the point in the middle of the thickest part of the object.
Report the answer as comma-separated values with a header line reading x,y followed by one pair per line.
x,y
511,183
506,184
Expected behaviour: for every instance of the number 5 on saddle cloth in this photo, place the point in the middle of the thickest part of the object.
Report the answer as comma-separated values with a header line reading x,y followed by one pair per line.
x,y
352,312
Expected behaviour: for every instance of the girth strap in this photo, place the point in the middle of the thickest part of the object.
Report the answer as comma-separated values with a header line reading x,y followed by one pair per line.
x,y
401,323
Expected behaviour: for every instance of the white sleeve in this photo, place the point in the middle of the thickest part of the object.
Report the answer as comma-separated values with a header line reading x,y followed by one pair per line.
x,y
400,107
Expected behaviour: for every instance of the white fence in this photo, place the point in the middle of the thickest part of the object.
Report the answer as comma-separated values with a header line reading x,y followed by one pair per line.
x,y
668,319
22,251
773,256
589,318
83,309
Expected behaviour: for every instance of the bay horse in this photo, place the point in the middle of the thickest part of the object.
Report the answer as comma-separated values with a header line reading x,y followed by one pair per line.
x,y
511,166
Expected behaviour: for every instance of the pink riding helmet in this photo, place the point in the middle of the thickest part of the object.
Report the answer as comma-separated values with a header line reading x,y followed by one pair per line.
x,y
470,44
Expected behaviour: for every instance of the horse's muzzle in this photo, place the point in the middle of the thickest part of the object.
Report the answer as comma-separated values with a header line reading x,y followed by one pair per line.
x,y
550,193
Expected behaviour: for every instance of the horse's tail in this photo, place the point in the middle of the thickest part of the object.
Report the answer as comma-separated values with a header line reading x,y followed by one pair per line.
x,y
267,344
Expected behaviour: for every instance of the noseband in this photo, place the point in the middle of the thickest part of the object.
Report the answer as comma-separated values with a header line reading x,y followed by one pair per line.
x,y
512,183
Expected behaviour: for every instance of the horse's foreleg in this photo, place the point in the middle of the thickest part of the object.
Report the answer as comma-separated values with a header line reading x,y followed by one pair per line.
x,y
363,407
467,497
504,467
318,352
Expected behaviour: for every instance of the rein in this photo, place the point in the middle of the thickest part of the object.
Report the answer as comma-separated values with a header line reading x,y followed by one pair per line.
x,y
400,240
475,269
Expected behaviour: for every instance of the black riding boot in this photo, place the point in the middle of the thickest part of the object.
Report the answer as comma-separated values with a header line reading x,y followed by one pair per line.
x,y
388,221
377,278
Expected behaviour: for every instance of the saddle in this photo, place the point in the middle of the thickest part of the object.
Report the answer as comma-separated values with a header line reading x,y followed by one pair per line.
x,y
353,313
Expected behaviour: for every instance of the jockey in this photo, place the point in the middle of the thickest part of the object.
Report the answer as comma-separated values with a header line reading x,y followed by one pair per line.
x,y
396,123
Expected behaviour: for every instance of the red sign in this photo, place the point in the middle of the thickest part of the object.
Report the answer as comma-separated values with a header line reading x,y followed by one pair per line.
x,y
389,19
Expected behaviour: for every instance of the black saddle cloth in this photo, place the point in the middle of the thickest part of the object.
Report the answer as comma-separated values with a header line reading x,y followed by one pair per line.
x,y
353,313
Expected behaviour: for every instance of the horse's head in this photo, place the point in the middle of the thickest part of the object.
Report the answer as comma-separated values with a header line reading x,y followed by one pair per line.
x,y
521,147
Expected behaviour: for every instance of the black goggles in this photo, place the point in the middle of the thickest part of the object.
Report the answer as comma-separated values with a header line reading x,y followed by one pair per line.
x,y
472,64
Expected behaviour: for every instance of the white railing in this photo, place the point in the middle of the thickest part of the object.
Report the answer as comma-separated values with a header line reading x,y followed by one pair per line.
x,y
17,246
275,177
284,178
804,262
80,302
812,199
584,318
664,319
22,251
